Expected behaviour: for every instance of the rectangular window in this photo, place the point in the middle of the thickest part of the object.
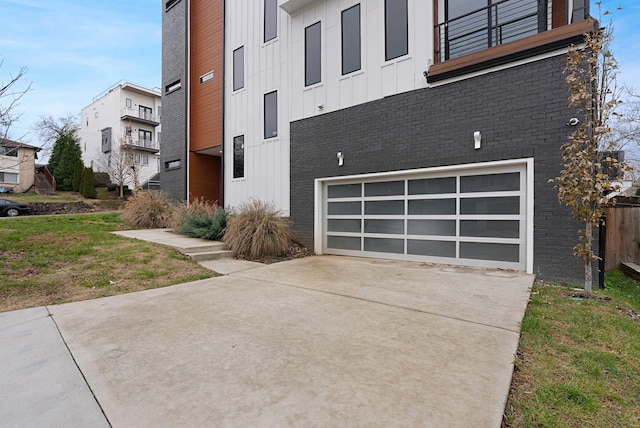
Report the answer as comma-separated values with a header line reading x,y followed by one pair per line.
x,y
271,114
145,113
169,4
238,68
206,77
238,157
396,29
136,159
351,40
172,87
159,139
144,138
145,160
270,20
9,151
8,177
174,164
129,102
312,60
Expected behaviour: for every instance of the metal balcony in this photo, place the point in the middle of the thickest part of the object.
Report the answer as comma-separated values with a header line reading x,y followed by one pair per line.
x,y
502,22
134,115
143,144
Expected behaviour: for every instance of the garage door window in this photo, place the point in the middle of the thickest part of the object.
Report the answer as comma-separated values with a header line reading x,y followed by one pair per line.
x,y
456,218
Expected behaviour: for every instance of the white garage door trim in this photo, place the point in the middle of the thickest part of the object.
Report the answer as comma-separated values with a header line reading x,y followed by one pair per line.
x,y
525,239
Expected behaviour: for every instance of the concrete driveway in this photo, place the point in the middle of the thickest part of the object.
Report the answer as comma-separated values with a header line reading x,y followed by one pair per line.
x,y
321,341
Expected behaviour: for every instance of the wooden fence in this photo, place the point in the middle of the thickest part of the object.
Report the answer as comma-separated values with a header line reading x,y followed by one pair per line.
x,y
623,236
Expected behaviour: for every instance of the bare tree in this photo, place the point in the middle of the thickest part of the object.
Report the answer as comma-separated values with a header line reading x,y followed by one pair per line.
x,y
10,96
584,182
119,164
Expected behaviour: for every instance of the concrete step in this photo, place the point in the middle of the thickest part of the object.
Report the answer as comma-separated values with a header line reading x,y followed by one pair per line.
x,y
210,255
203,248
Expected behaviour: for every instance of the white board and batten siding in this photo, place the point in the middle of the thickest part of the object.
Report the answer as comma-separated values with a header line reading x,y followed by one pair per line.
x,y
265,70
279,65
376,78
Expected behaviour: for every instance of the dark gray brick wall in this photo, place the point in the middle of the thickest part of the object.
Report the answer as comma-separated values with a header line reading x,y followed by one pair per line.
x,y
174,105
521,112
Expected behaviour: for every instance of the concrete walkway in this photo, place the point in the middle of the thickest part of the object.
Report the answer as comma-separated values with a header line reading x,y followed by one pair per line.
x,y
320,341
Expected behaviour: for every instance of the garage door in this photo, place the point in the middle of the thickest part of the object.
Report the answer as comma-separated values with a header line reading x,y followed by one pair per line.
x,y
475,217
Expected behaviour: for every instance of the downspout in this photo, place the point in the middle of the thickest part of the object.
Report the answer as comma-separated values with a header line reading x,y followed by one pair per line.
x,y
224,96
188,100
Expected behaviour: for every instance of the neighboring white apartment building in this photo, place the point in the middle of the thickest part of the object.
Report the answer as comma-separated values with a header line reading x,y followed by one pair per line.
x,y
123,120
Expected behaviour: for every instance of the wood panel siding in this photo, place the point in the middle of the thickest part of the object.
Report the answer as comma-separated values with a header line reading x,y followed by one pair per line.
x,y
519,49
559,13
205,176
206,55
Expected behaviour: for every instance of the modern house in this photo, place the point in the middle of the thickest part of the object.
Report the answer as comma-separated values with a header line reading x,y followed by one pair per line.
x,y
400,129
17,165
121,128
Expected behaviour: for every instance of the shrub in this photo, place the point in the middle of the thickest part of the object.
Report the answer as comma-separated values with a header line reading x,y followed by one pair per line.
x,y
148,209
197,207
204,226
87,186
101,179
257,229
76,182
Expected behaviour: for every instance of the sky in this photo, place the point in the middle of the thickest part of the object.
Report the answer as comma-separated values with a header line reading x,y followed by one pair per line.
x,y
75,49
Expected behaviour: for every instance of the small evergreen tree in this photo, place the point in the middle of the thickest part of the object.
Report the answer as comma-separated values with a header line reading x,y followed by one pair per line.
x,y
77,176
65,156
88,184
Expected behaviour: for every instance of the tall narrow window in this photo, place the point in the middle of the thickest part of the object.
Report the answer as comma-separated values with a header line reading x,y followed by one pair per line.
x,y
351,39
238,156
312,61
270,20
271,114
238,68
396,29
129,102
145,112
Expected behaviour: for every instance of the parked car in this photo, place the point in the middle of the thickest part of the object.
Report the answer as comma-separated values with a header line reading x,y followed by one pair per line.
x,y
4,189
12,208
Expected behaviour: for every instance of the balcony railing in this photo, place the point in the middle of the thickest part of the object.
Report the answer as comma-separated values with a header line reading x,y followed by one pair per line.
x,y
141,144
502,22
137,115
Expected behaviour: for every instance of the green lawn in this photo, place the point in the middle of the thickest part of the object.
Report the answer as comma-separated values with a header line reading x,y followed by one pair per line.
x,y
578,362
46,260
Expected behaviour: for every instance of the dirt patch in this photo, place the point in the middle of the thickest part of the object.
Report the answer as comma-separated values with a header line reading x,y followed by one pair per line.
x,y
295,251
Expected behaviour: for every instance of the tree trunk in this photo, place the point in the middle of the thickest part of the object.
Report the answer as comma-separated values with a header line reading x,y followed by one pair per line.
x,y
588,272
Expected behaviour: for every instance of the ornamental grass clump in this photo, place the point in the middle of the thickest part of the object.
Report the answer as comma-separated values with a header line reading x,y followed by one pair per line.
x,y
198,207
148,209
257,229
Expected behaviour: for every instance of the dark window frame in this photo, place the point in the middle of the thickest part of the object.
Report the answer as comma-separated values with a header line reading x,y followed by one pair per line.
x,y
270,28
316,77
359,34
9,151
393,55
238,156
169,4
270,115
173,87
238,85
